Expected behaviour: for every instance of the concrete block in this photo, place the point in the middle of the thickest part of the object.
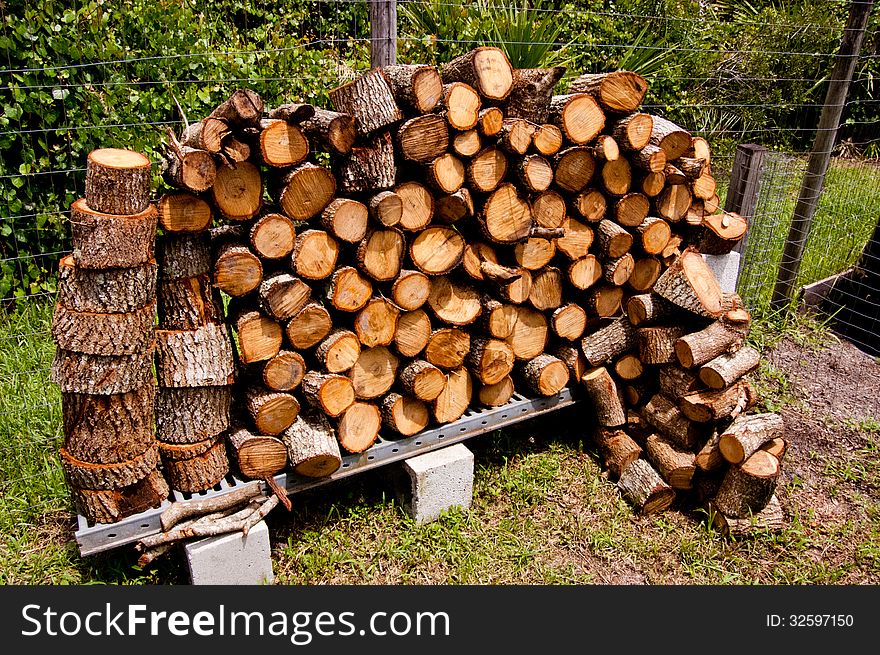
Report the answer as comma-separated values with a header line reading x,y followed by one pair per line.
x,y
440,480
231,559
726,269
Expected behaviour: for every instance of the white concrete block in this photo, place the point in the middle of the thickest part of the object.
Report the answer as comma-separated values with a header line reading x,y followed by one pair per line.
x,y
231,559
726,269
440,480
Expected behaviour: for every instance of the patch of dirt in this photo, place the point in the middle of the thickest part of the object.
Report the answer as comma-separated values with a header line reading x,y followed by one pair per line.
x,y
836,388
839,382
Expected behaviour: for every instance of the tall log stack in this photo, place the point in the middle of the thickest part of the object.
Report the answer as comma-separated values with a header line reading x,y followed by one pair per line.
x,y
475,232
103,327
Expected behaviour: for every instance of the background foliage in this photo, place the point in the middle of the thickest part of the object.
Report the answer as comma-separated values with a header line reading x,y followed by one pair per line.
x,y
734,70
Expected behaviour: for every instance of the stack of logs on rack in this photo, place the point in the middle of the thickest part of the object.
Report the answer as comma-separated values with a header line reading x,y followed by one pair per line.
x,y
103,328
436,240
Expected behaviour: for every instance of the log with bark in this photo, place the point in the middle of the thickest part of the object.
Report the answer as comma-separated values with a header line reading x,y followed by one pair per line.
x,y
643,487
312,449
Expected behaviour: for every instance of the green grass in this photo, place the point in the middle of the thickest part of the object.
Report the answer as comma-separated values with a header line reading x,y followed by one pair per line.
x,y
30,418
843,223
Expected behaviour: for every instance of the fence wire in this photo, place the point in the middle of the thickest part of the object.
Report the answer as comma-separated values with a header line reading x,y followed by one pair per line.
x,y
85,74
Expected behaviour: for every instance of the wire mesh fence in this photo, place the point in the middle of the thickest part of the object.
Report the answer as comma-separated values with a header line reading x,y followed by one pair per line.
x,y
77,76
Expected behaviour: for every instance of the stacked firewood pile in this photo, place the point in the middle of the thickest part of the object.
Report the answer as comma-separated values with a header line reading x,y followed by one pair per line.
x,y
436,240
103,328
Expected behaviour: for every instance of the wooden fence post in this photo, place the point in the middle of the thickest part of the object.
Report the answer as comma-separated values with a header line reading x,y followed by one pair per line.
x,y
383,33
742,194
814,178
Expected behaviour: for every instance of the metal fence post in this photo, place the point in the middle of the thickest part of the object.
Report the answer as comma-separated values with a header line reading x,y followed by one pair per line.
x,y
383,33
742,194
814,178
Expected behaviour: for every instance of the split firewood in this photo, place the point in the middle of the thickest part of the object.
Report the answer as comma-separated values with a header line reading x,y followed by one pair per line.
x,y
531,92
312,448
257,456
404,415
422,380
358,427
386,207
606,397
486,69
573,169
769,519
578,115
308,327
413,333
272,411
748,488
620,91
690,284
461,105
643,487
331,131
455,398
259,337
112,241
416,87
369,100
330,392
706,406
700,347
673,202
675,464
530,333
665,417
747,434
617,449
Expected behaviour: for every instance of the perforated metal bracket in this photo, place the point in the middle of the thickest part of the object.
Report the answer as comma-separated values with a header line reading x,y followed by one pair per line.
x,y
102,537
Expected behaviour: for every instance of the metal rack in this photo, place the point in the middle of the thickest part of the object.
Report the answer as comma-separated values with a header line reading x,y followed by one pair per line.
x,y
106,536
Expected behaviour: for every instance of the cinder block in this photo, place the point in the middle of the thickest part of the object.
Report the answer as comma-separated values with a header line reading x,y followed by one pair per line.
x,y
440,480
726,269
231,559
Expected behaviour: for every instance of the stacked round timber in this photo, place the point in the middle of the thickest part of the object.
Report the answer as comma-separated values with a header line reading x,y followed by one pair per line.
x,y
195,467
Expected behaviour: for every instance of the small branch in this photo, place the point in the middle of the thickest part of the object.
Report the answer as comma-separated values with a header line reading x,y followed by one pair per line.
x,y
182,510
280,493
259,515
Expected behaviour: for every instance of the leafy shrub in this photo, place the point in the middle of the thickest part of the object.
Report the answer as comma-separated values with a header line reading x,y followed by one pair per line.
x,y
58,104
